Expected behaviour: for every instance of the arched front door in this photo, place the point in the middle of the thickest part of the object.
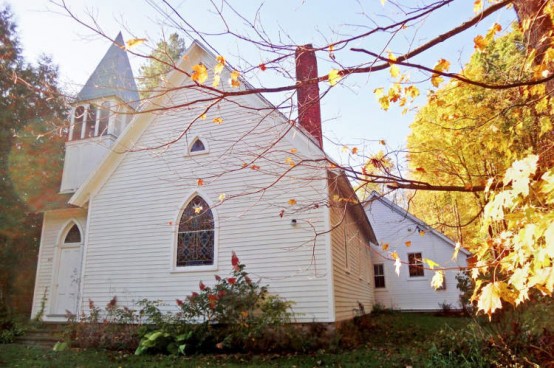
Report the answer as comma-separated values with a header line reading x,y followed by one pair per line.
x,y
68,273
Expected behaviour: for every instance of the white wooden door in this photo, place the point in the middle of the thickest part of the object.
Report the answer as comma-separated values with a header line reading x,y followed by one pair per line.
x,y
67,285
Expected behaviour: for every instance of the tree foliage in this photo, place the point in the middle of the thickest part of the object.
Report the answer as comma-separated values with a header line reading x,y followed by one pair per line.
x,y
160,62
29,99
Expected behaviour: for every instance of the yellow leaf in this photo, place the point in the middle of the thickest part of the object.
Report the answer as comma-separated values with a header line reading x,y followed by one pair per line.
x,y
489,299
436,80
442,65
437,281
333,77
331,48
421,232
477,6
235,79
379,91
293,150
292,202
200,182
432,264
199,73
134,42
220,60
385,246
222,197
394,71
203,116
290,161
218,121
217,79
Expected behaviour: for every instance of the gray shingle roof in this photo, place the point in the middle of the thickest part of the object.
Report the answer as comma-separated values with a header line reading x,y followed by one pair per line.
x,y
112,77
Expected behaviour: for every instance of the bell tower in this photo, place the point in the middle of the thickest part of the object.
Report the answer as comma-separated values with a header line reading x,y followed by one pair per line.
x,y
99,114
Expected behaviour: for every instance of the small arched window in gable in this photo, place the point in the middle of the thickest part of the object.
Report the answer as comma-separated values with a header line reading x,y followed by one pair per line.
x,y
195,239
73,235
197,146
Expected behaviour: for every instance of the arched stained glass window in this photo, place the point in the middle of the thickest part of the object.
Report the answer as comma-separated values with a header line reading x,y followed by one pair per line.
x,y
197,146
73,235
195,238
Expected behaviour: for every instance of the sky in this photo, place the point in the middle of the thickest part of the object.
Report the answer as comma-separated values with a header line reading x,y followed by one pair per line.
x,y
350,112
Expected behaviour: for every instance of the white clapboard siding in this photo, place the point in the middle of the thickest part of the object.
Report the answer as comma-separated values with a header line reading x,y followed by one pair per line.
x,y
54,223
133,217
394,227
351,259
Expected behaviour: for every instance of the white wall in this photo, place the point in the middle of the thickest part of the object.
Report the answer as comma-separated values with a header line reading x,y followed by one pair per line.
x,y
405,292
54,223
81,158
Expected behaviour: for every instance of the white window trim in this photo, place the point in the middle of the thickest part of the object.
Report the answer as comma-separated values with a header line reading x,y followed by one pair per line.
x,y
186,269
198,153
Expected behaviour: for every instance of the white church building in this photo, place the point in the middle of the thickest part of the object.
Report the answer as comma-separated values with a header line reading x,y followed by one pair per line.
x,y
155,200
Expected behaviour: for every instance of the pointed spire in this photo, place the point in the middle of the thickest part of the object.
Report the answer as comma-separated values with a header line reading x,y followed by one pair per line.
x,y
112,77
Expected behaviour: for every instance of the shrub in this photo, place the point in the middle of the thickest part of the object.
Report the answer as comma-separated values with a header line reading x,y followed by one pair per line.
x,y
114,328
236,314
9,327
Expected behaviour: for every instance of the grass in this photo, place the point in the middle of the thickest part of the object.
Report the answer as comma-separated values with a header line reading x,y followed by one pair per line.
x,y
389,340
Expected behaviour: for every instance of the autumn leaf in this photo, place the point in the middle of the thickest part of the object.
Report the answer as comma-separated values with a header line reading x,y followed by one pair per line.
x,y
420,169
293,150
477,6
222,197
133,42
218,120
292,202
408,243
333,77
437,281
220,63
394,70
432,264
385,246
234,81
442,65
436,80
234,259
203,117
200,182
489,299
199,73
262,67
480,43
254,167
290,162
421,232
382,142
354,150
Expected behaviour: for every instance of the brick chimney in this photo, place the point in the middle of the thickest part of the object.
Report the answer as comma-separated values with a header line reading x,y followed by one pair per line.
x,y
309,112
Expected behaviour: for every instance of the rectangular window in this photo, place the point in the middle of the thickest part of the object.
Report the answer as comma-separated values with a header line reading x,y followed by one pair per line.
x,y
415,262
379,275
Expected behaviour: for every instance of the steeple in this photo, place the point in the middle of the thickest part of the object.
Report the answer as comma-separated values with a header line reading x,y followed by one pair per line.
x,y
112,77
99,114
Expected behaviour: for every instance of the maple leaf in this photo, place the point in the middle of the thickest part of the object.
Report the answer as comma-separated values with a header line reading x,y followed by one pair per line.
x,y
262,67
477,6
355,150
133,42
292,201
382,142
255,167
234,81
203,117
489,299
199,182
293,150
221,197
333,77
421,232
480,43
385,246
290,161
394,70
436,80
442,65
408,243
437,281
218,120
199,73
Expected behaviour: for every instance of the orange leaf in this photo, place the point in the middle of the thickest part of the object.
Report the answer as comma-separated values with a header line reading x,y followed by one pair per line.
x,y
293,150
218,121
385,246
355,150
480,43
292,201
408,243
199,73
235,79
255,167
420,169
200,182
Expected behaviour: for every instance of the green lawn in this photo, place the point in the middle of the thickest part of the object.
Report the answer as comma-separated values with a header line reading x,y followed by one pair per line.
x,y
396,340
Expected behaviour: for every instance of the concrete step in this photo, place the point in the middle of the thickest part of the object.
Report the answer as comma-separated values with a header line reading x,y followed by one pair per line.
x,y
45,335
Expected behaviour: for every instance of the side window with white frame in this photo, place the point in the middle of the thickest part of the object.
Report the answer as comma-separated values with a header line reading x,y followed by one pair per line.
x,y
379,275
415,265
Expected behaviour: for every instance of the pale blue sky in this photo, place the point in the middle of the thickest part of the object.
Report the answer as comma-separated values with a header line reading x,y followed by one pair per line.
x,y
350,112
